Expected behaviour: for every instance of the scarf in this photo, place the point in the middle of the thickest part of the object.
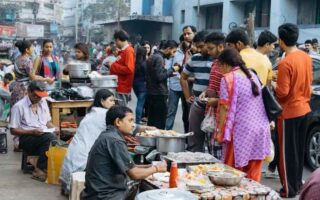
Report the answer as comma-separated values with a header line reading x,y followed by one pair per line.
x,y
50,68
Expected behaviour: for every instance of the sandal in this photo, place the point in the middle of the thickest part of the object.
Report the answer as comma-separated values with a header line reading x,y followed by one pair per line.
x,y
39,177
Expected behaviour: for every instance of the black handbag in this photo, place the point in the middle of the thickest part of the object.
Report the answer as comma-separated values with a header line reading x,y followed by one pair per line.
x,y
272,106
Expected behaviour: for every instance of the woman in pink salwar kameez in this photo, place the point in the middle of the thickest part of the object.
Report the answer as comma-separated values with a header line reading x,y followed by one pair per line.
x,y
243,126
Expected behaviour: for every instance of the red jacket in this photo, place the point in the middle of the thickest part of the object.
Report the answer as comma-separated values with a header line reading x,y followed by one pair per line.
x,y
124,68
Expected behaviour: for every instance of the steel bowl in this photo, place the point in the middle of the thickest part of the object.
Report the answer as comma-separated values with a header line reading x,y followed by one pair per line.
x,y
147,141
227,178
171,144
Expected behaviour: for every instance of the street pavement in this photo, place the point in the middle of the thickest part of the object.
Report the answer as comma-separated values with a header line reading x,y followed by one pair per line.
x,y
14,185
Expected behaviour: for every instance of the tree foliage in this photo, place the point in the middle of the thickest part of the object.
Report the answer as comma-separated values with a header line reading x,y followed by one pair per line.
x,y
106,9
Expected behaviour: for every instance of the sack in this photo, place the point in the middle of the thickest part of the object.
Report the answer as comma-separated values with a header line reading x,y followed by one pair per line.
x,y
208,123
55,154
270,157
271,105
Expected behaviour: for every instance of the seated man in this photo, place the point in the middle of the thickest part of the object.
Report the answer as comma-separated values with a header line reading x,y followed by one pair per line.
x,y
29,117
109,163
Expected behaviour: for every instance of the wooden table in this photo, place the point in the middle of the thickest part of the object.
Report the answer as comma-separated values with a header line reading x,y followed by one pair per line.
x,y
55,107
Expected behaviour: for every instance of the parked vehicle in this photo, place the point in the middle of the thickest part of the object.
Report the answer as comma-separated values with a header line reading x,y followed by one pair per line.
x,y
312,148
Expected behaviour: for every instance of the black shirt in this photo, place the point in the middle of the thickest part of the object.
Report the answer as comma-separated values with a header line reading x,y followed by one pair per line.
x,y
108,162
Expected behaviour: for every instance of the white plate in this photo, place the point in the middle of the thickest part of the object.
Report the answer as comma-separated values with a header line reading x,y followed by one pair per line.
x,y
163,177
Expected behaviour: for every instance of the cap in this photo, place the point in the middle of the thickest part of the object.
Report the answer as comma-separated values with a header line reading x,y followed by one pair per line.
x,y
39,88
41,93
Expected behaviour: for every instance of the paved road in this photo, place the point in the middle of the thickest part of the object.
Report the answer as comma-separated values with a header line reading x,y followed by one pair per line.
x,y
14,185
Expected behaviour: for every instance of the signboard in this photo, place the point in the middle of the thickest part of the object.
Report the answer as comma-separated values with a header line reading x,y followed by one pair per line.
x,y
54,28
30,30
7,31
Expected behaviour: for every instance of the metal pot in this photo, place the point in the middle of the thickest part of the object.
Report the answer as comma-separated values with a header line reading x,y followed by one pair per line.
x,y
171,144
79,69
147,141
108,81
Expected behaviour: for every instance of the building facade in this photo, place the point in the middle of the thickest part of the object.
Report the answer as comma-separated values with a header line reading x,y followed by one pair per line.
x,y
223,15
41,12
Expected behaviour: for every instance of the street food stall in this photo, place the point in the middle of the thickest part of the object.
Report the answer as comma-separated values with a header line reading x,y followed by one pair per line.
x,y
199,173
214,181
77,90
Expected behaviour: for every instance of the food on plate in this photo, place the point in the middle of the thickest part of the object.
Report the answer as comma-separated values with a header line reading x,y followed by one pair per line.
x,y
168,132
146,134
190,157
199,183
203,169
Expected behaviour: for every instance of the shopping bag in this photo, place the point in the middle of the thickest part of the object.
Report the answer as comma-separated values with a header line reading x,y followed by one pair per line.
x,y
270,157
208,123
55,154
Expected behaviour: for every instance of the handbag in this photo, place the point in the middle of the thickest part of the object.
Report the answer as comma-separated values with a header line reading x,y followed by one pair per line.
x,y
271,105
208,123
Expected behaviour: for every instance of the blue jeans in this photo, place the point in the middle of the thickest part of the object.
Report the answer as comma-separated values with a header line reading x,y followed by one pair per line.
x,y
173,103
141,98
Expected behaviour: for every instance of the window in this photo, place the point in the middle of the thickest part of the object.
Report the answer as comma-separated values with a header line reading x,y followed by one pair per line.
x,y
214,17
262,12
316,72
309,12
182,18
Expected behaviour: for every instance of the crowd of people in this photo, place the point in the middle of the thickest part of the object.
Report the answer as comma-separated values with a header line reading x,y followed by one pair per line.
x,y
213,74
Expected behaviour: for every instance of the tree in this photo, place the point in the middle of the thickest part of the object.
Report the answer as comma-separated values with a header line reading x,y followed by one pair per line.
x,y
106,9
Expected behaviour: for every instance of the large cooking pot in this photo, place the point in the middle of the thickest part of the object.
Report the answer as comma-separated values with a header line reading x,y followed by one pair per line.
x,y
175,144
79,69
171,144
108,81
147,141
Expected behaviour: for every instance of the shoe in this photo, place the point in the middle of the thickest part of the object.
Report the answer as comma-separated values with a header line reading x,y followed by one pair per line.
x,y
270,174
284,195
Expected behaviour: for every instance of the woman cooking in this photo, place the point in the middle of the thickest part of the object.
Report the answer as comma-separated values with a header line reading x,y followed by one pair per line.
x,y
81,54
47,65
24,72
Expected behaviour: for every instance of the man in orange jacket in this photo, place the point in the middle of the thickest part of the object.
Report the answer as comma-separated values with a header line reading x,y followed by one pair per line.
x,y
123,67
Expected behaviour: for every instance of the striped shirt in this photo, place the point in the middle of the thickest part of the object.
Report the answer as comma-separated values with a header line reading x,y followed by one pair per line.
x,y
215,78
199,67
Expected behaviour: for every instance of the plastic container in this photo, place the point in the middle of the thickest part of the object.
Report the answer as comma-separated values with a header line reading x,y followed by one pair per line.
x,y
174,175
55,156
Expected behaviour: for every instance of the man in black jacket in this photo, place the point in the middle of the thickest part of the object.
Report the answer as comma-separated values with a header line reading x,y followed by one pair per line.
x,y
157,89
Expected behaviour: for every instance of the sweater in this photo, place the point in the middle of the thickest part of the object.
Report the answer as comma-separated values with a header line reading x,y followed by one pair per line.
x,y
294,84
124,69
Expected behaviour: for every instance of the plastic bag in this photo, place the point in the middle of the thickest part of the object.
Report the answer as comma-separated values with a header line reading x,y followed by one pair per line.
x,y
270,157
208,123
55,156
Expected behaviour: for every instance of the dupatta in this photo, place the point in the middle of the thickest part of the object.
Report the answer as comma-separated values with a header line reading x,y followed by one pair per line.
x,y
229,79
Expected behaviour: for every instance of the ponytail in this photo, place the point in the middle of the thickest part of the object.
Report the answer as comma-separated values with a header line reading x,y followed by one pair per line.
x,y
254,87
